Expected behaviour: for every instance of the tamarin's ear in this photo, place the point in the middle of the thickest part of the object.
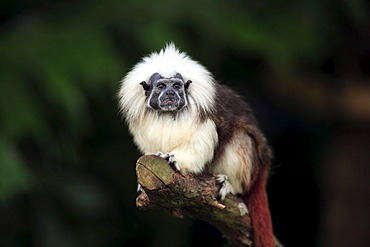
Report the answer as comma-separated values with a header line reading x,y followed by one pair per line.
x,y
178,76
146,87
187,83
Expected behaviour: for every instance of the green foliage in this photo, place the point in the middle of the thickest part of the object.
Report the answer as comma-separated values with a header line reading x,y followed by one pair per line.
x,y
15,177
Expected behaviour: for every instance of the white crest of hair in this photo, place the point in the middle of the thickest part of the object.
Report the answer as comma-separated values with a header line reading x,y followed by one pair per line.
x,y
167,62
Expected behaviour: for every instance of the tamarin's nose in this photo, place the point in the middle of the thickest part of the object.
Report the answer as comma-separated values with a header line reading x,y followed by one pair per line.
x,y
170,92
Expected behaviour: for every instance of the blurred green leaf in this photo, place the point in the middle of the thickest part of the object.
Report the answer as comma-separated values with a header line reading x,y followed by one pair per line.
x,y
15,177
20,113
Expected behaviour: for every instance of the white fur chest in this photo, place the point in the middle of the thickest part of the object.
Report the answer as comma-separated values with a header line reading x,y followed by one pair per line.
x,y
155,133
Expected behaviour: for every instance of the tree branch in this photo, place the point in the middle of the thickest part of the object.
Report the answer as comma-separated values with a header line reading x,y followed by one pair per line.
x,y
193,195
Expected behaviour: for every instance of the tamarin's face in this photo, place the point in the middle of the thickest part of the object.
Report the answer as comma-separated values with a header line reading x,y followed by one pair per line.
x,y
166,94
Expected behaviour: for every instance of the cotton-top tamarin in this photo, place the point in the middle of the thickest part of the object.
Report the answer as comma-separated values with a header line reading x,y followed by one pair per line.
x,y
175,108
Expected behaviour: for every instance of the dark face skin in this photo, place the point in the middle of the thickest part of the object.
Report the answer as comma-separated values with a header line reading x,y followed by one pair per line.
x,y
166,94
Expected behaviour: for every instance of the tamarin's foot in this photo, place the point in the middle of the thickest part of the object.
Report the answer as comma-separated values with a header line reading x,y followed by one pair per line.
x,y
139,189
226,187
170,158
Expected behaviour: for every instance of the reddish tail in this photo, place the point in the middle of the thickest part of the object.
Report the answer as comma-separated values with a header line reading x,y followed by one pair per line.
x,y
258,208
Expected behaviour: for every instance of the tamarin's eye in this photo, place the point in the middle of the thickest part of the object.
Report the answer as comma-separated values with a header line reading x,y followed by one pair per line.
x,y
161,86
177,86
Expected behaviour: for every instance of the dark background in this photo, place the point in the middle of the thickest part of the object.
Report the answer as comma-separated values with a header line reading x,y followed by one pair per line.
x,y
67,162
